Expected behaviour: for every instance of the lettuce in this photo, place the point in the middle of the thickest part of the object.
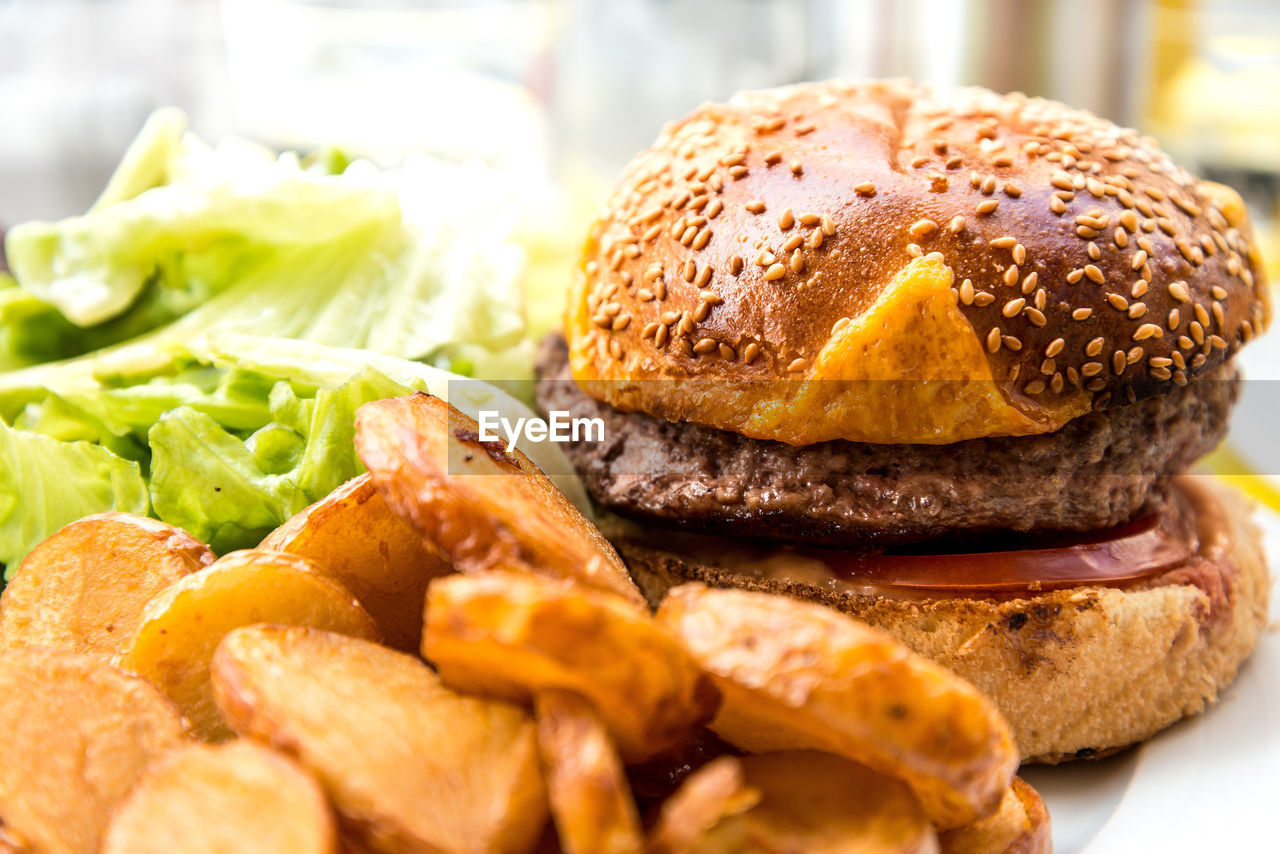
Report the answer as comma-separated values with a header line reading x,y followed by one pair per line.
x,y
189,239
226,449
48,483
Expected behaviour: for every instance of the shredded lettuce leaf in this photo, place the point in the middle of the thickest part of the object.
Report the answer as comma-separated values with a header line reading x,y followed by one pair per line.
x,y
48,483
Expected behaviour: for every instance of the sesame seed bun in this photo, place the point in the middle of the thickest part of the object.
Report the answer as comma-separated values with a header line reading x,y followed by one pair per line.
x,y
1043,261
1080,672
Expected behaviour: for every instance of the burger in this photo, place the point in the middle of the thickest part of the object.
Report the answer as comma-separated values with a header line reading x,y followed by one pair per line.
x,y
940,360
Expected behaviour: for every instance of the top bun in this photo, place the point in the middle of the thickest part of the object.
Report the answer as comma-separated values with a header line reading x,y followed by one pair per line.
x,y
1005,262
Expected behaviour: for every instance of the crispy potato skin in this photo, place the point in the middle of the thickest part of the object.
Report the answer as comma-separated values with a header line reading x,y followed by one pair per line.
x,y
233,798
591,801
483,507
410,765
353,537
511,635
83,589
793,801
181,627
1020,826
76,734
796,675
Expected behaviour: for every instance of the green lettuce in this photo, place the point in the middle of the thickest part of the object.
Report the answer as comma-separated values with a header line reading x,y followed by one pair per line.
x,y
49,483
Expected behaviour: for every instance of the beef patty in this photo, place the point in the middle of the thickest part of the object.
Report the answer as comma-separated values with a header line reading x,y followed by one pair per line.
x,y
1097,471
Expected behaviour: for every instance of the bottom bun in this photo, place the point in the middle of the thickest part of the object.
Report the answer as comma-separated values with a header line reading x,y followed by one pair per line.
x,y
1080,672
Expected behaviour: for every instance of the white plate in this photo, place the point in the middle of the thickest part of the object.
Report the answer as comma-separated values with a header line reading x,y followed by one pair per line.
x,y
1211,783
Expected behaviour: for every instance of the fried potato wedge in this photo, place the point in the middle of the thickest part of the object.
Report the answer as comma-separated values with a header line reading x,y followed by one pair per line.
x,y
410,765
181,627
797,675
594,810
84,588
715,792
509,635
807,801
1020,826
484,507
354,537
76,734
233,798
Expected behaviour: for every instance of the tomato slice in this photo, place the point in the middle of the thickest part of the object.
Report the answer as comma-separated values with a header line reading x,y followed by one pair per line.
x,y
1141,548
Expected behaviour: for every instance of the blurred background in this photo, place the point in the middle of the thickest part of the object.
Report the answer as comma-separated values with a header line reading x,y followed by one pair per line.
x,y
560,93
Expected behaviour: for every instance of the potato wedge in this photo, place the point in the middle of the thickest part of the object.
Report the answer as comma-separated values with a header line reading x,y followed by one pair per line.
x,y
353,537
181,627
594,810
410,765
797,676
1020,826
510,635
84,588
233,798
76,733
811,802
484,507
715,792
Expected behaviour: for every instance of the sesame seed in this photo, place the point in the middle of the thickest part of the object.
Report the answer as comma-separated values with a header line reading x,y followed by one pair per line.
x,y
1120,237
809,219
735,265
983,299
650,329
603,321
1012,342
914,250
1081,314
660,288
1005,242
1029,282
1011,274
727,353
705,345
765,258
1057,206
1178,290
1055,347
988,207
755,206
798,365
615,349
703,277
966,292
1013,306
685,347
776,271
1094,347
1094,274
828,226
714,209
1091,369
700,240
786,219
796,167
689,233
1034,387
993,340
1075,276
956,225
644,295
815,240
1012,190
773,158
1118,302
738,172
796,263
1035,315
689,270
1147,330
923,227
669,317
1061,180
793,243
1084,232
701,312
1093,252
1118,362
750,352
1218,292
989,185
1137,310
686,323
866,188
